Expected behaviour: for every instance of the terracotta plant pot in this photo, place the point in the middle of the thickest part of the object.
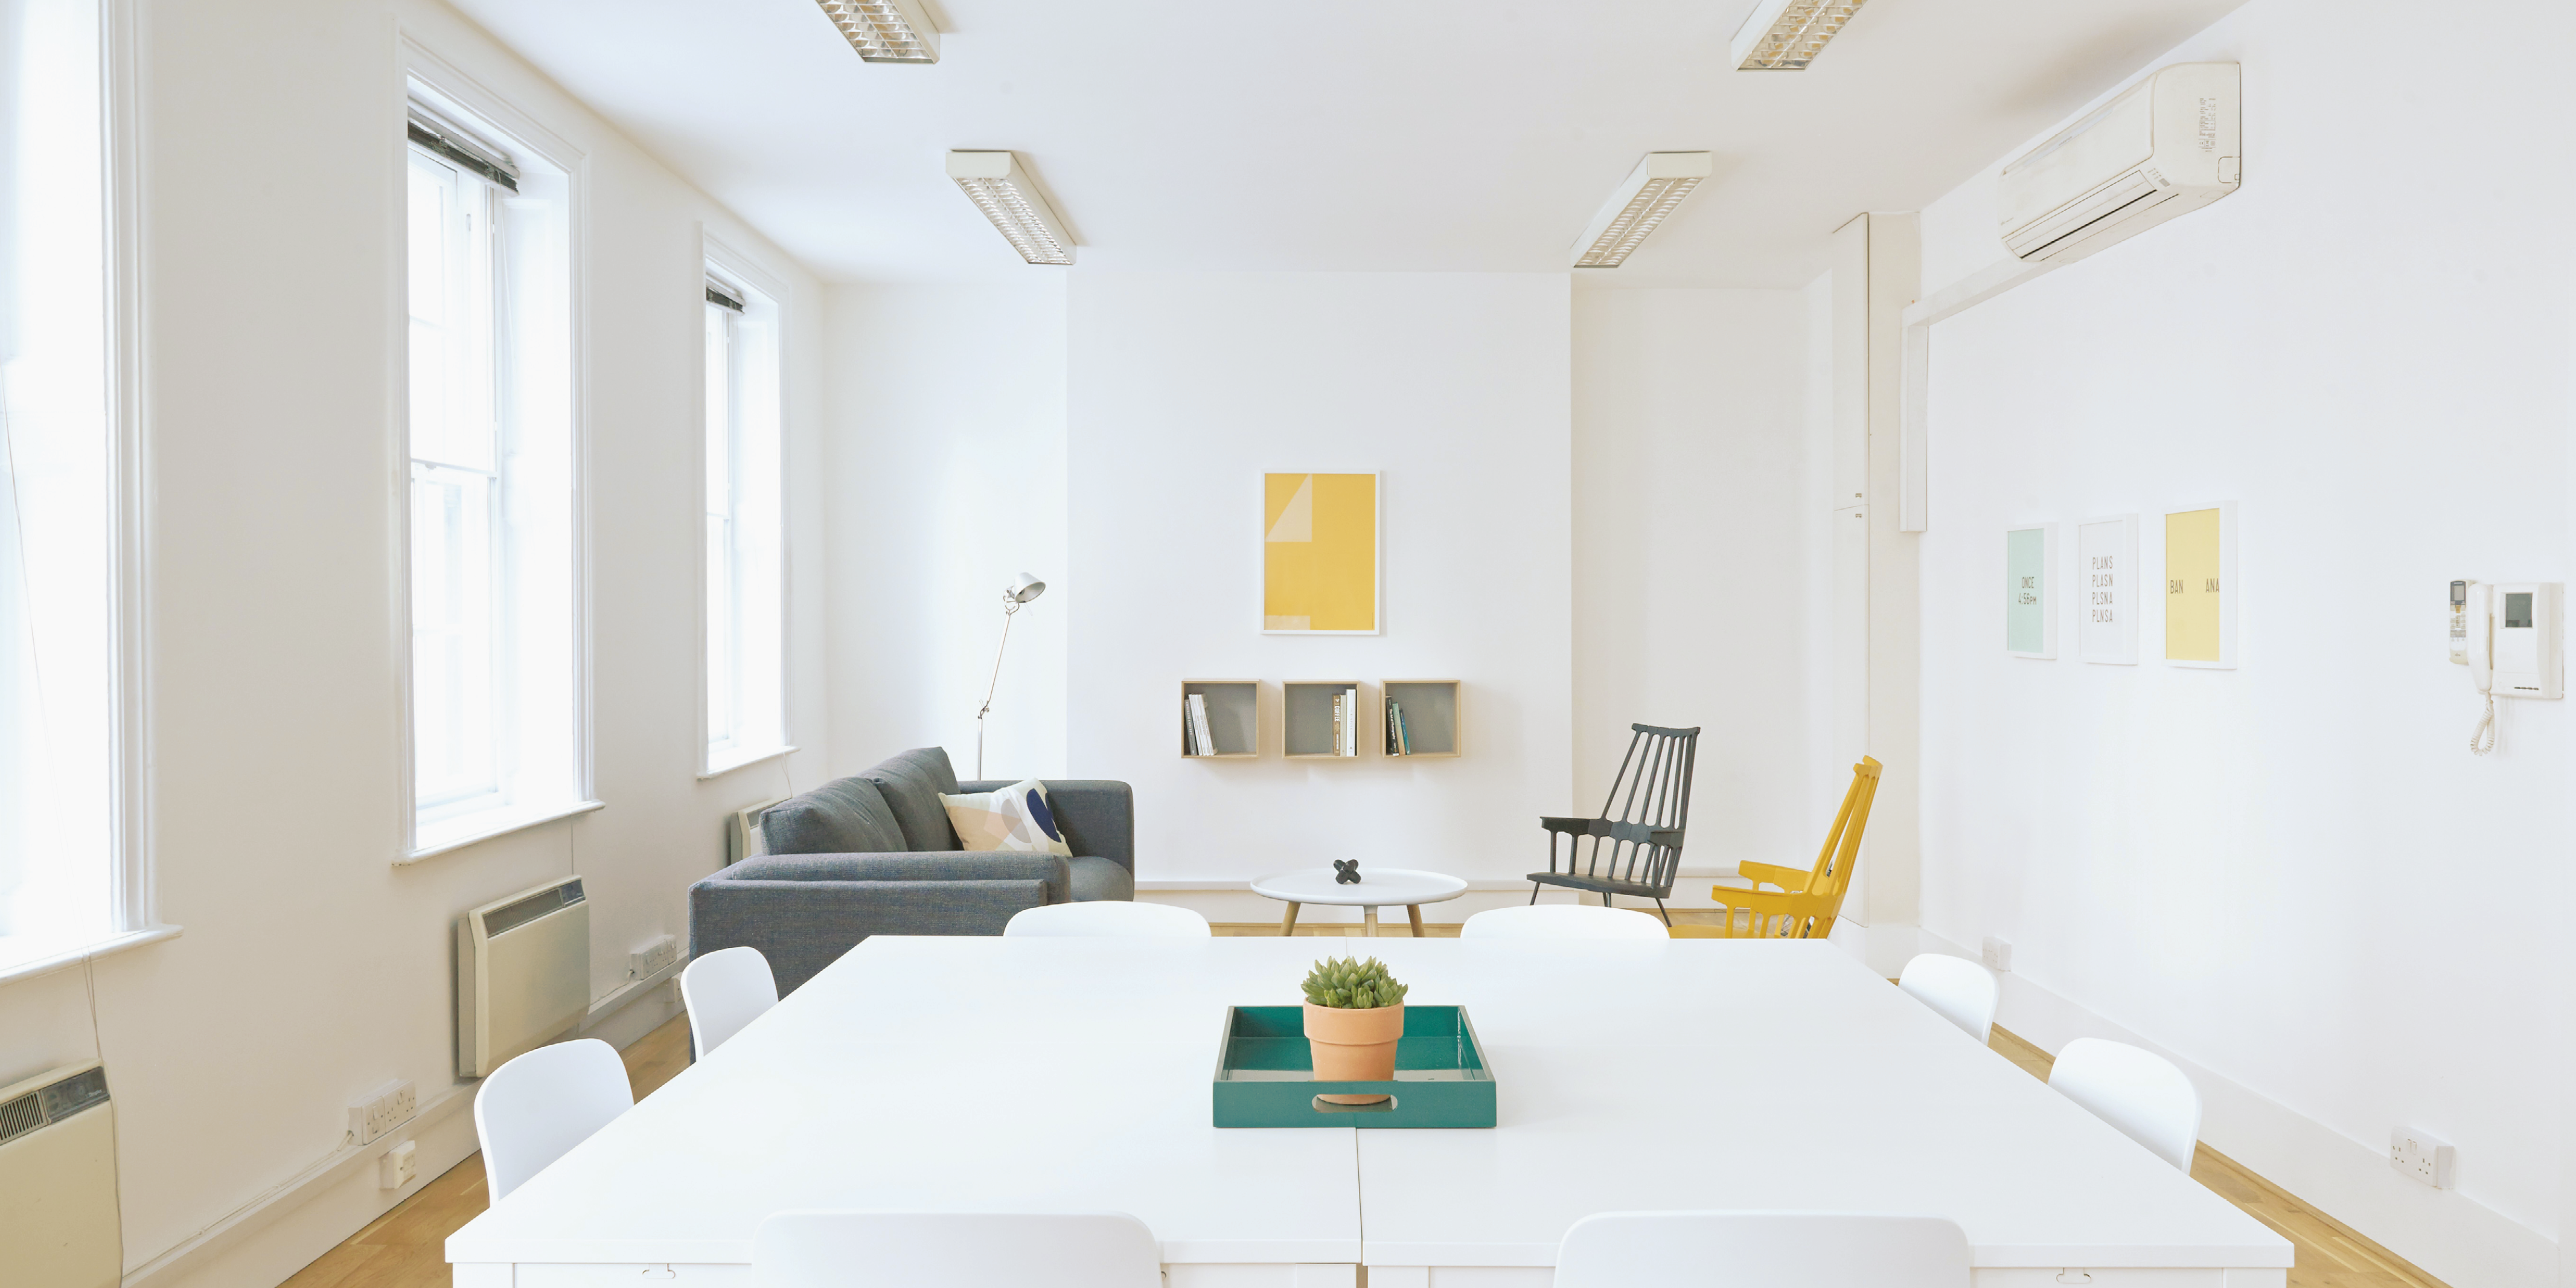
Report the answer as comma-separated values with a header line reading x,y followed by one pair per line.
x,y
1354,1046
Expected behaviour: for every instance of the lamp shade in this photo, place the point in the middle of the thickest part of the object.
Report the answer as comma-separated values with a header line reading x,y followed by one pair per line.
x,y
1028,587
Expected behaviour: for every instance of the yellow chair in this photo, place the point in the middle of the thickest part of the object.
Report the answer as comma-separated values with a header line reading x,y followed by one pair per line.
x,y
1806,903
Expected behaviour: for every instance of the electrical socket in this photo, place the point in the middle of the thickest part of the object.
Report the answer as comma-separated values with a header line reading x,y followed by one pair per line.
x,y
384,1109
653,956
1997,954
399,1167
2422,1157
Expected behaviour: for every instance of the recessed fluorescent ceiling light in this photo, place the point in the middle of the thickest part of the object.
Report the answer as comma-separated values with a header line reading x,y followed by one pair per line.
x,y
886,31
999,188
1652,190
1785,35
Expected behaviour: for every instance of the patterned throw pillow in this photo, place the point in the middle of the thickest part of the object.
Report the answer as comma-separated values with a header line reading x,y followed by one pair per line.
x,y
1015,818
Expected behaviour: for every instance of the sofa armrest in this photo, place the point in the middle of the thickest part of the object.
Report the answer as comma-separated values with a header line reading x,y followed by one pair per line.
x,y
802,926
1097,815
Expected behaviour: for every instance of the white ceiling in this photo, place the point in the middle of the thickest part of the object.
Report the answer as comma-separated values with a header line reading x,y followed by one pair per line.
x,y
1440,135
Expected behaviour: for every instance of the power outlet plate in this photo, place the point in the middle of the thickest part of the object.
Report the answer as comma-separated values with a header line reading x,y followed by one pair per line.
x,y
652,957
1997,954
383,1109
2422,1157
399,1167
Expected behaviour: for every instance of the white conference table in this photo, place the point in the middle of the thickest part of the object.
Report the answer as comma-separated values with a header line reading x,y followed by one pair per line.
x,y
1047,1074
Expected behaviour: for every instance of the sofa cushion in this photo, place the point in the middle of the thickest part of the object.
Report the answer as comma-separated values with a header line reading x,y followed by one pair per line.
x,y
912,783
1097,878
844,816
1015,818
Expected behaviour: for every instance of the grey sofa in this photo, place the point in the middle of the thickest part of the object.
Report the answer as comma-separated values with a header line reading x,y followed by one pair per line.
x,y
873,854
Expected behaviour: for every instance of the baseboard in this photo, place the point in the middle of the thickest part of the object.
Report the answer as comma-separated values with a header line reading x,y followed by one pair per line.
x,y
2449,1234
277,1233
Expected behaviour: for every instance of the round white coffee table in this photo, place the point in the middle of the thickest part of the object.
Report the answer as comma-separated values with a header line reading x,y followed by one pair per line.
x,y
1377,888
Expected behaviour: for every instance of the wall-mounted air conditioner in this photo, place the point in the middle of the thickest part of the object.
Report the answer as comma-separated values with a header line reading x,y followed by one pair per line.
x,y
2167,146
522,974
58,1181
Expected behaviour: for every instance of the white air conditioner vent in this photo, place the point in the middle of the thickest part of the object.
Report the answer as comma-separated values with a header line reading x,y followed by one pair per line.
x,y
2168,146
522,973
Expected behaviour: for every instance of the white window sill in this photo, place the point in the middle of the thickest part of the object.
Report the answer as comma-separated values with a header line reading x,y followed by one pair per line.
x,y
720,768
478,828
88,952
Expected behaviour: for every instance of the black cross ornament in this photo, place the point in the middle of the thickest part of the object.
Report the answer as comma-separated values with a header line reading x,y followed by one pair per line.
x,y
1346,872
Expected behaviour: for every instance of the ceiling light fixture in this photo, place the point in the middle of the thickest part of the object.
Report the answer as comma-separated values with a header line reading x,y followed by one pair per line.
x,y
886,31
1786,35
999,188
1651,191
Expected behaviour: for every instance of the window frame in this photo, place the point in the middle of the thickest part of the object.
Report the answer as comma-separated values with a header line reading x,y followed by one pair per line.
x,y
132,915
769,292
424,76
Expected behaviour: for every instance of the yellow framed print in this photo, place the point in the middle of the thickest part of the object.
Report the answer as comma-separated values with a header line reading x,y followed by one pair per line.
x,y
1319,554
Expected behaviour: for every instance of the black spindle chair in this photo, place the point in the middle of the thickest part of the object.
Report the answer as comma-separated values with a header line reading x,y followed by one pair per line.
x,y
1636,844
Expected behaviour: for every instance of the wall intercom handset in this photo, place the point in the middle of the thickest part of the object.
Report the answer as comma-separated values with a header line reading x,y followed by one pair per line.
x,y
2508,636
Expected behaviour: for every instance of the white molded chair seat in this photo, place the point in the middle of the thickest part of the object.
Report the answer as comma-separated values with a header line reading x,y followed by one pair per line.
x,y
2139,1092
1958,990
722,992
534,1109
1562,921
1762,1250
1109,917
954,1250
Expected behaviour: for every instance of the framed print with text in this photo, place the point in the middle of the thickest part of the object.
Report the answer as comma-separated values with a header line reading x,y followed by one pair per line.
x,y
2030,591
2200,586
2106,582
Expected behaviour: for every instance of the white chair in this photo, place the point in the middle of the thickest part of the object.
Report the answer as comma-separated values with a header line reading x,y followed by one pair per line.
x,y
954,1250
1762,1250
1109,917
1958,990
534,1109
2139,1092
723,991
1561,921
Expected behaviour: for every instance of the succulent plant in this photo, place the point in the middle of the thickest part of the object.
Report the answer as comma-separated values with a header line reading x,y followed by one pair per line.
x,y
1352,985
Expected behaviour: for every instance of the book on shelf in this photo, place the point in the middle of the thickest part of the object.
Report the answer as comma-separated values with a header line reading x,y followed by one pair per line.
x,y
1397,741
1189,727
1201,738
1337,724
1350,743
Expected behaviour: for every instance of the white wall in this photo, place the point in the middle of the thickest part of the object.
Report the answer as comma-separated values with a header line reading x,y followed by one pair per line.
x,y
312,969
2291,875
1694,501
1185,388
947,470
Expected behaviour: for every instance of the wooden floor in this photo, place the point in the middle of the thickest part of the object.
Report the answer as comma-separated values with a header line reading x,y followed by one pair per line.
x,y
405,1248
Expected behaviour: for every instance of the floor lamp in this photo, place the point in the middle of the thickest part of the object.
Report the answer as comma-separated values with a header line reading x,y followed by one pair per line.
x,y
1020,592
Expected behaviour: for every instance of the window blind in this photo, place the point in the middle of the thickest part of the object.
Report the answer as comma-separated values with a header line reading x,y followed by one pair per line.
x,y
722,295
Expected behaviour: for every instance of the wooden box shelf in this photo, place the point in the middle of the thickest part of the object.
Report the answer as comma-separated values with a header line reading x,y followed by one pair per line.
x,y
1234,717
1430,718
1307,715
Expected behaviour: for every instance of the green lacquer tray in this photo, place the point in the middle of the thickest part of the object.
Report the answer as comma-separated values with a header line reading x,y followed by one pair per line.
x,y
1265,1074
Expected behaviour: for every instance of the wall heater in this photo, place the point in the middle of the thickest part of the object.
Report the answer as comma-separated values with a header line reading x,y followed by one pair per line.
x,y
522,974
742,832
58,1181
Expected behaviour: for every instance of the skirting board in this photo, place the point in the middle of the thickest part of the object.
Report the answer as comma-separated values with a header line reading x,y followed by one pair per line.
x,y
281,1231
2462,1241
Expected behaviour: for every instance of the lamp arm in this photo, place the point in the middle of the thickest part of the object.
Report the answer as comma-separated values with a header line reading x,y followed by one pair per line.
x,y
1010,609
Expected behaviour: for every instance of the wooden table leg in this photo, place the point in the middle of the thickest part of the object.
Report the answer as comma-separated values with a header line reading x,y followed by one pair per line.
x,y
1414,911
1289,926
1368,918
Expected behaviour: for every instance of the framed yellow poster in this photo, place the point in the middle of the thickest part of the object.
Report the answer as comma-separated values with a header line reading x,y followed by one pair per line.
x,y
2200,586
1319,554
